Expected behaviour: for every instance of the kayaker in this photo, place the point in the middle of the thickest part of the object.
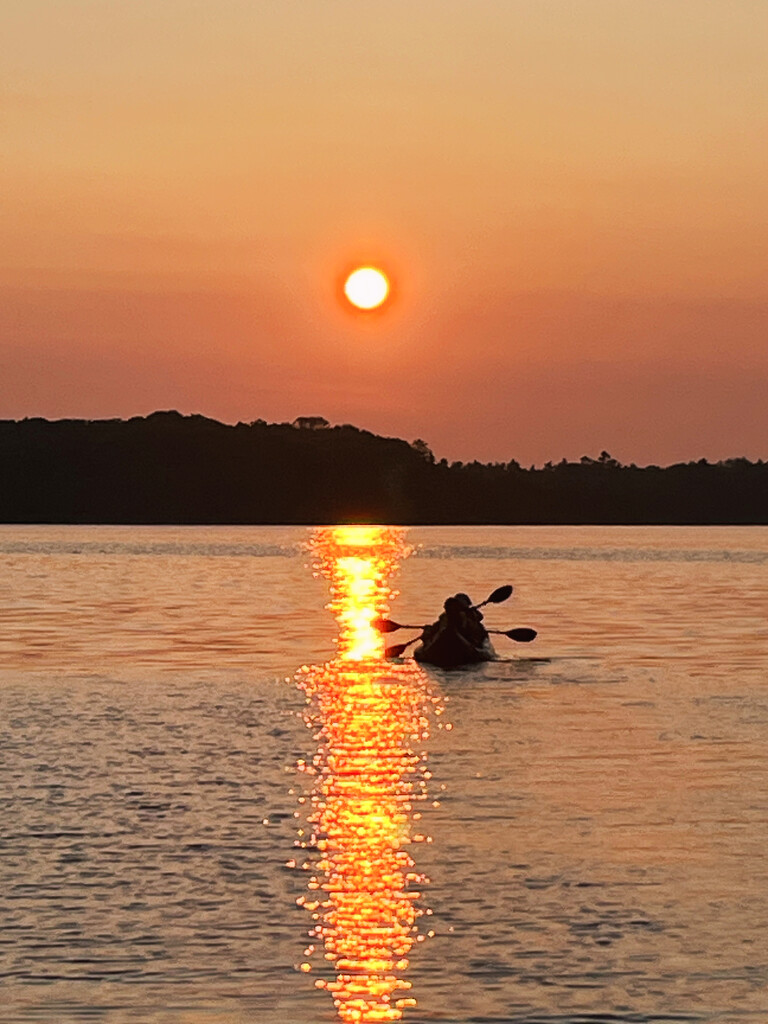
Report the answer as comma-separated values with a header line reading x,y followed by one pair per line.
x,y
457,638
472,626
461,617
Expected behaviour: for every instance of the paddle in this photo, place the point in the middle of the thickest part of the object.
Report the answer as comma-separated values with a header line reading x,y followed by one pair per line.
x,y
397,649
523,634
388,626
499,595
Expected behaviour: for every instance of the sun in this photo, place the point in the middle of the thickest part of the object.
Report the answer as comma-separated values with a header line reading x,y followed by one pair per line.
x,y
367,287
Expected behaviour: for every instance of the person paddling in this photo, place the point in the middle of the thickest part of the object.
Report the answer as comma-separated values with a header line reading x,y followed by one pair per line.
x,y
472,623
461,618
458,637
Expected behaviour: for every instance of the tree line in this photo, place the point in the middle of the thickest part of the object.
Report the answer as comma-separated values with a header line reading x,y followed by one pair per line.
x,y
169,468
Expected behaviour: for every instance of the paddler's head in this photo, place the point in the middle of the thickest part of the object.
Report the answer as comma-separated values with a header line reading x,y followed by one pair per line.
x,y
454,609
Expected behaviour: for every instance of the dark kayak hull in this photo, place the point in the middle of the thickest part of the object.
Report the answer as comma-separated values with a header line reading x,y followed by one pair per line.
x,y
450,650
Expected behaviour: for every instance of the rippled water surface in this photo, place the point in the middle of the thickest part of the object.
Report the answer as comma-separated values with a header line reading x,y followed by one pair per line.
x,y
212,810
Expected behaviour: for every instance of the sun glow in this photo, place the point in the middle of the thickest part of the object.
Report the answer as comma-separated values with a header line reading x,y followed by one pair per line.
x,y
367,287
366,781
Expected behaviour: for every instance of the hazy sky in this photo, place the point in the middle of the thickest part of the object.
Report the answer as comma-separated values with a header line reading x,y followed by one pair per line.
x,y
571,197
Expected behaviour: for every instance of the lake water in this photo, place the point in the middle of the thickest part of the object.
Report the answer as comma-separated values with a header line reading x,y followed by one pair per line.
x,y
219,804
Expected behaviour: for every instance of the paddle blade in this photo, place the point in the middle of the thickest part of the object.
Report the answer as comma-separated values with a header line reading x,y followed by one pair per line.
x,y
523,635
395,651
385,625
388,626
500,594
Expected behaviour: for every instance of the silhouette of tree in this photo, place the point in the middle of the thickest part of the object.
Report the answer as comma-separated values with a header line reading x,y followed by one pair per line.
x,y
311,423
169,468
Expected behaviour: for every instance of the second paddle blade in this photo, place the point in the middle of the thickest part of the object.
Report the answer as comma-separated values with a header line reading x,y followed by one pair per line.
x,y
395,651
523,635
385,625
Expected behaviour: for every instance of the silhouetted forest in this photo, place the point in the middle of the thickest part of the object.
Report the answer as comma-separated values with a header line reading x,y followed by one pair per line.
x,y
169,468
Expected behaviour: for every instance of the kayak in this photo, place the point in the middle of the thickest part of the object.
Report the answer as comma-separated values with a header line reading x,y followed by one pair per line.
x,y
447,648
458,637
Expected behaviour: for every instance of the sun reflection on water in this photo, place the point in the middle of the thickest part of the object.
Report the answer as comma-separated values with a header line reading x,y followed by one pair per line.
x,y
365,893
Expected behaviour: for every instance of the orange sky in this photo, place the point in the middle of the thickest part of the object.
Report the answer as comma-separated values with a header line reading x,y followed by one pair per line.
x,y
572,198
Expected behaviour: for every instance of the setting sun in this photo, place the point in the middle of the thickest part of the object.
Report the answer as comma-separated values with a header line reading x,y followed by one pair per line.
x,y
366,287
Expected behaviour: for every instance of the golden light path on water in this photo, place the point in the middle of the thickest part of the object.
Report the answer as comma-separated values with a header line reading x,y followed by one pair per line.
x,y
367,779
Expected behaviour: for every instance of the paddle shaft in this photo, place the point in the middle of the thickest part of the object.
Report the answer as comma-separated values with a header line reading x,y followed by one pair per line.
x,y
499,595
522,635
397,649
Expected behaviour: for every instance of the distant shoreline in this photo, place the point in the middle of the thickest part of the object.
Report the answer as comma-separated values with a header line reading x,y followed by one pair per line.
x,y
156,524
172,470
